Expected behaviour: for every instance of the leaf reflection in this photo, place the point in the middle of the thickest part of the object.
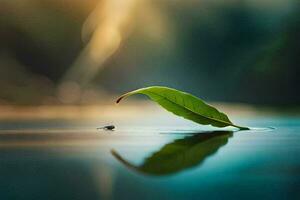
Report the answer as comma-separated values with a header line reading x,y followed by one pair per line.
x,y
180,154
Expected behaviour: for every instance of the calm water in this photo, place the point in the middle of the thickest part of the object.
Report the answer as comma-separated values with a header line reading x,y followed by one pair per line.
x,y
170,159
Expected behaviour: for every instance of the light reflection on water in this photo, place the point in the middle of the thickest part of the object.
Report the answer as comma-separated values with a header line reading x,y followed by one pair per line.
x,y
78,164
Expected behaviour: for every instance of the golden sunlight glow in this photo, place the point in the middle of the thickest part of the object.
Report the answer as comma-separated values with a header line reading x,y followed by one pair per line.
x,y
104,30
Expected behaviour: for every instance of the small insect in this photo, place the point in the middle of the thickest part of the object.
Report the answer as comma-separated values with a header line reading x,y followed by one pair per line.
x,y
108,127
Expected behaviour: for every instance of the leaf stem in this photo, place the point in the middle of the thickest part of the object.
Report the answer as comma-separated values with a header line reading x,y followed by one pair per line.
x,y
242,128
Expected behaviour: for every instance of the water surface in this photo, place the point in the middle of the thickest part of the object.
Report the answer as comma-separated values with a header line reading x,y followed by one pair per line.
x,y
149,158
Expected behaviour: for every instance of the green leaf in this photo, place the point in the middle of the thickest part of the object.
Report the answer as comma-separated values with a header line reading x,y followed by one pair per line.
x,y
180,154
185,105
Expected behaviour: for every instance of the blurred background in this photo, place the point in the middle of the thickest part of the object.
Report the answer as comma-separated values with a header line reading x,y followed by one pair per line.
x,y
88,52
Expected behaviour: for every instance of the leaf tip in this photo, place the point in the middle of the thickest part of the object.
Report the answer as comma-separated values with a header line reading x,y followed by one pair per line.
x,y
119,99
122,160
